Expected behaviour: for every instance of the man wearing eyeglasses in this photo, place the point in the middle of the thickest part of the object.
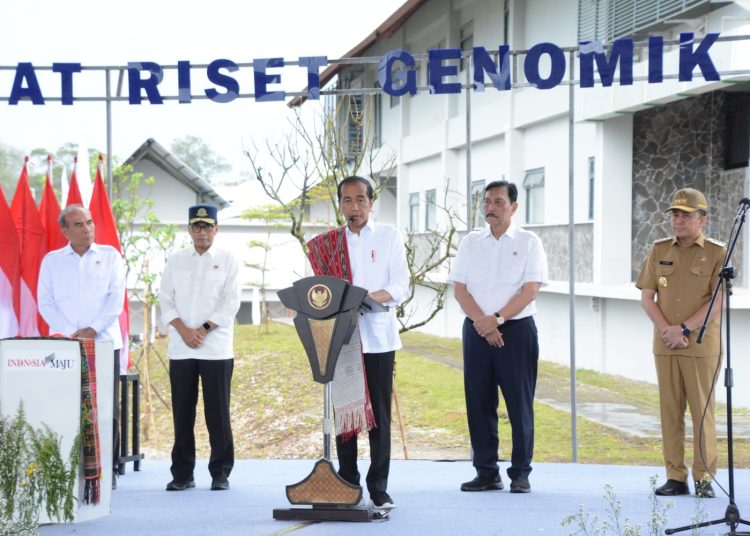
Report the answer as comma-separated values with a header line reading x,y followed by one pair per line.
x,y
676,282
199,299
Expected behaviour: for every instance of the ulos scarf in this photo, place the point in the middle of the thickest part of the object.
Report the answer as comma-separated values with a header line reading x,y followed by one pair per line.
x,y
329,255
92,465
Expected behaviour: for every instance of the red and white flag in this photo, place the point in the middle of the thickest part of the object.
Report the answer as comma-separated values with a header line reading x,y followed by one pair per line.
x,y
49,211
106,233
74,193
10,272
33,248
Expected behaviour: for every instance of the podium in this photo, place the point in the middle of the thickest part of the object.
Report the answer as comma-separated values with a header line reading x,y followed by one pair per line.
x,y
45,374
328,309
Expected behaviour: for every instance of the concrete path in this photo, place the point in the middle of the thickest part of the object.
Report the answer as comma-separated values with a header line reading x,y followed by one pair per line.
x,y
609,409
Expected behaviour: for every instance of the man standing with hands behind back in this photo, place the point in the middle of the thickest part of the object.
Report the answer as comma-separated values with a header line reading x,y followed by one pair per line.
x,y
199,299
676,282
496,276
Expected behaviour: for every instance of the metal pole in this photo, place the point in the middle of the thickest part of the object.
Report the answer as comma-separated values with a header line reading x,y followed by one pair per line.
x,y
469,203
572,256
327,421
109,133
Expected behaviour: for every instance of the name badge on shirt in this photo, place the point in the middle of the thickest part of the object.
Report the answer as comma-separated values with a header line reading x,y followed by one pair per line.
x,y
666,263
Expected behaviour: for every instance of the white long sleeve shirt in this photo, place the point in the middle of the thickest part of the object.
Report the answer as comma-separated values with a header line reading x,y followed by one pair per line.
x,y
378,260
199,288
495,269
79,291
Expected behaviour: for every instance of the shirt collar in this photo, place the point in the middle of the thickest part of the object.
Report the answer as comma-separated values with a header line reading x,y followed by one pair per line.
x,y
699,241
194,252
510,232
93,248
366,230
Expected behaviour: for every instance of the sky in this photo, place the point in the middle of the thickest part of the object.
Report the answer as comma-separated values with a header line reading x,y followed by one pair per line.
x,y
96,33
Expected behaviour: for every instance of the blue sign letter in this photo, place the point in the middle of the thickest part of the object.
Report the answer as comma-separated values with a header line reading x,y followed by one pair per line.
x,y
531,65
262,79
183,82
66,71
622,51
437,70
407,77
135,84
483,63
32,91
313,74
690,58
231,85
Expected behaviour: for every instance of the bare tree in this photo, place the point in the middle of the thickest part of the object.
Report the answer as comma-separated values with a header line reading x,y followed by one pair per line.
x,y
306,167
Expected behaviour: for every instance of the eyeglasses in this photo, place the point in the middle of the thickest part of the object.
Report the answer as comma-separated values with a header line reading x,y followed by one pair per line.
x,y
201,227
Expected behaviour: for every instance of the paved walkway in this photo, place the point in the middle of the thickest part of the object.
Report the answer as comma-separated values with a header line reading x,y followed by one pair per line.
x,y
606,407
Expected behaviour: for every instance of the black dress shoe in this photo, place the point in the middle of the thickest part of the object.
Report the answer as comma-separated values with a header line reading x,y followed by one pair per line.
x,y
220,483
520,485
482,484
180,485
672,487
704,489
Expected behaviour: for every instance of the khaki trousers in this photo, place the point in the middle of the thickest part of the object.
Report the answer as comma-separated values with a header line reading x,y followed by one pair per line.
x,y
687,381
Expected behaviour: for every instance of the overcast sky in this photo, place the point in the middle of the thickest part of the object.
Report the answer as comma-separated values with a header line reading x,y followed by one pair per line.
x,y
114,33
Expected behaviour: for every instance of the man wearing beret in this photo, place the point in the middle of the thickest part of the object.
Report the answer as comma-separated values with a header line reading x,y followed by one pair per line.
x,y
676,282
199,299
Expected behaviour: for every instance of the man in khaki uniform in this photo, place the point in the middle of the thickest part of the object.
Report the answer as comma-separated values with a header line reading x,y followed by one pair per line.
x,y
676,284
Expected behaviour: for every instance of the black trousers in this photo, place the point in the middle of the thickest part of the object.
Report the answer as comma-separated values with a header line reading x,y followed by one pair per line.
x,y
379,373
116,415
513,368
216,381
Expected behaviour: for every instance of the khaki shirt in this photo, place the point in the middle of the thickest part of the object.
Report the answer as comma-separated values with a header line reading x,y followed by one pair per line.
x,y
684,279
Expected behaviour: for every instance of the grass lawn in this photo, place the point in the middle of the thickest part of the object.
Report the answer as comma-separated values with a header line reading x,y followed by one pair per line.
x,y
277,407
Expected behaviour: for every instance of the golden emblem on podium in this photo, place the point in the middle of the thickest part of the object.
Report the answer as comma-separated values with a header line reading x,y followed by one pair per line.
x,y
319,297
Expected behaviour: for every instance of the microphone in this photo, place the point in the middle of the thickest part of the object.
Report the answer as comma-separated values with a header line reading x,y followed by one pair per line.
x,y
743,206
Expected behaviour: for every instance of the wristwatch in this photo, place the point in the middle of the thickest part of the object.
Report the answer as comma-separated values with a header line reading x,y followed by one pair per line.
x,y
685,330
206,326
500,319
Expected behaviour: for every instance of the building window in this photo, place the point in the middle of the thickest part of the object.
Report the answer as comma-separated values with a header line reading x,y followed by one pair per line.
x,y
592,162
477,198
355,130
414,212
466,41
534,185
430,212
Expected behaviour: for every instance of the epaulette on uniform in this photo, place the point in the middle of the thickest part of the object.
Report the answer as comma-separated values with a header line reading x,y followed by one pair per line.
x,y
661,240
716,242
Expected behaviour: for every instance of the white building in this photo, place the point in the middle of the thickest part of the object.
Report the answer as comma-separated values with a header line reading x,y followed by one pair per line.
x,y
634,146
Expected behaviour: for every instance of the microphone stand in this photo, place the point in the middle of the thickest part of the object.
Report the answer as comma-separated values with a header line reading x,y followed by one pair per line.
x,y
732,513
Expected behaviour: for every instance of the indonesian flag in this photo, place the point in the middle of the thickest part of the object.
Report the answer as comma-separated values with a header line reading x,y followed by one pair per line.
x,y
10,268
49,211
33,248
74,193
106,233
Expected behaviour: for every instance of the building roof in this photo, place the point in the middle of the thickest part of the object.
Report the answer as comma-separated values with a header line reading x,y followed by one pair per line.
x,y
391,25
159,155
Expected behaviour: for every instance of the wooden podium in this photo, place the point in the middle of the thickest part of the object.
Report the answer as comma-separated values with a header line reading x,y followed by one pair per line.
x,y
327,313
45,374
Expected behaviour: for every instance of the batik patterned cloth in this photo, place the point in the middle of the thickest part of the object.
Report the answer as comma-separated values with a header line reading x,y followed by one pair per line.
x,y
329,255
92,465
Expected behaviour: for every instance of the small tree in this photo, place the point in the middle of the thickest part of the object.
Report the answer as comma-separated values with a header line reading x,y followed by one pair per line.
x,y
144,240
272,217
197,154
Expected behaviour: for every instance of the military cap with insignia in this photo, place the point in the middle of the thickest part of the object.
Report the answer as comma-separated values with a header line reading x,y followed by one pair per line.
x,y
202,213
688,200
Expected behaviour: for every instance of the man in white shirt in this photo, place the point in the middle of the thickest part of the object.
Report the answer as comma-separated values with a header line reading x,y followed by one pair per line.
x,y
80,293
496,276
376,261
199,299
